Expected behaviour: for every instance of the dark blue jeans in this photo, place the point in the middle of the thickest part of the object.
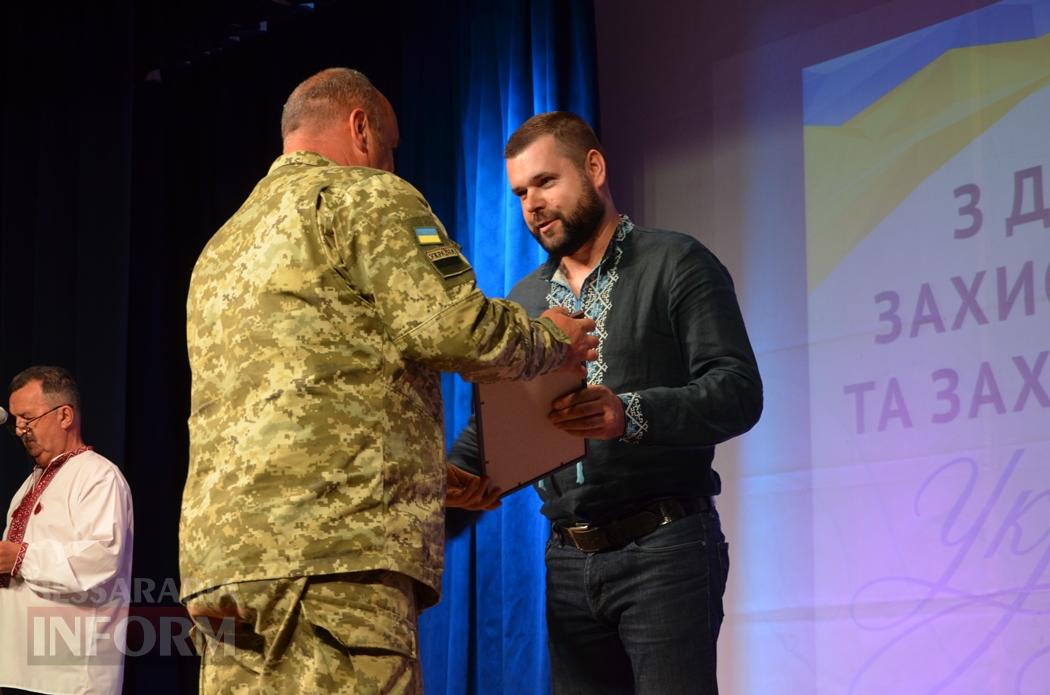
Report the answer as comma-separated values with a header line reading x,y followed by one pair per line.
x,y
641,619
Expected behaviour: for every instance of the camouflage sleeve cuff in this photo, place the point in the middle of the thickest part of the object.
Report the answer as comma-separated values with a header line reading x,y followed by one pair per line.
x,y
559,346
559,334
635,424
18,560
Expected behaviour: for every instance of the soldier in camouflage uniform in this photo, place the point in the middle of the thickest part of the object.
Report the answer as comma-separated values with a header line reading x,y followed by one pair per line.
x,y
317,320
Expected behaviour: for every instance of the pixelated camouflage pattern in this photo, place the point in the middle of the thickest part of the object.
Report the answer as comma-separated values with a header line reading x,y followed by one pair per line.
x,y
352,634
315,326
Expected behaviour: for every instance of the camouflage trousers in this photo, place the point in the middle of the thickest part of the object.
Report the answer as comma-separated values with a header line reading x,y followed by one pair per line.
x,y
346,633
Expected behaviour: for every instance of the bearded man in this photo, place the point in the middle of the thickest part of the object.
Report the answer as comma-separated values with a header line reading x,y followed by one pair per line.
x,y
636,561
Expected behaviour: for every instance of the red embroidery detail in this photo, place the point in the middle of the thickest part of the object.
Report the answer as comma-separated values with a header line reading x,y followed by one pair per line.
x,y
18,560
39,508
20,519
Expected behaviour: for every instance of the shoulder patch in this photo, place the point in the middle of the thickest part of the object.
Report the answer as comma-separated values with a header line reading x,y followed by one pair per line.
x,y
447,260
427,236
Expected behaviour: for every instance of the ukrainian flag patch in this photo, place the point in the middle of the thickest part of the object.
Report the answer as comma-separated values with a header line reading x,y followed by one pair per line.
x,y
427,235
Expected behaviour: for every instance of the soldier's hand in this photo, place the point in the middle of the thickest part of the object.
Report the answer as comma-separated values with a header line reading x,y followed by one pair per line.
x,y
468,491
583,346
594,412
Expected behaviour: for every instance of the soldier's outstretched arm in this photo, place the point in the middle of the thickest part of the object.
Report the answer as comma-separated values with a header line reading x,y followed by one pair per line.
x,y
397,255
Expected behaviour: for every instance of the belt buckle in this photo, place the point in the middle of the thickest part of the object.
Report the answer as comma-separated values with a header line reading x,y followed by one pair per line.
x,y
577,528
578,537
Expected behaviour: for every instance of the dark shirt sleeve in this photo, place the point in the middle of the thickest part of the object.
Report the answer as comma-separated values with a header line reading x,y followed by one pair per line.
x,y
464,453
723,395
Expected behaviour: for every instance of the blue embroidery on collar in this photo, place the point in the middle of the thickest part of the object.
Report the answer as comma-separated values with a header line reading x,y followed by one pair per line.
x,y
595,294
595,300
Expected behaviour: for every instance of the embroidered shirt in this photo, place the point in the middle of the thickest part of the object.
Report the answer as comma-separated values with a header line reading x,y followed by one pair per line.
x,y
16,528
595,301
675,349
74,574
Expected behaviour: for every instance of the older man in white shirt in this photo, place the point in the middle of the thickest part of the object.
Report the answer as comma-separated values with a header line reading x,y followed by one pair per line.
x,y
65,557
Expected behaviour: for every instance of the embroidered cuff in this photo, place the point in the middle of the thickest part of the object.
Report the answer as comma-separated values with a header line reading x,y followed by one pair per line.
x,y
635,424
18,560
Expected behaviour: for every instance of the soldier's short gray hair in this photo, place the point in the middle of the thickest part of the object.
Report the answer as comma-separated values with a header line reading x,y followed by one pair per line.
x,y
331,94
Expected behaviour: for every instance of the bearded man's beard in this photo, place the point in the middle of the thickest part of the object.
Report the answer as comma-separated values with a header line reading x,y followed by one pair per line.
x,y
581,224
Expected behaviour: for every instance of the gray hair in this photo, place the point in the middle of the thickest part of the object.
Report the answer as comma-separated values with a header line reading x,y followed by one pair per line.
x,y
56,383
328,95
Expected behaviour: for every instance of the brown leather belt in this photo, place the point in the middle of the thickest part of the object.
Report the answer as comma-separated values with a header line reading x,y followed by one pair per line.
x,y
591,538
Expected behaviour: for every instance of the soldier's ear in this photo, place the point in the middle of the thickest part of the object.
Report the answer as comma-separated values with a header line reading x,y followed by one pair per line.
x,y
359,130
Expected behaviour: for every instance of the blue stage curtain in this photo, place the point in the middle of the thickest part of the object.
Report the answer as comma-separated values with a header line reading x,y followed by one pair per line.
x,y
518,58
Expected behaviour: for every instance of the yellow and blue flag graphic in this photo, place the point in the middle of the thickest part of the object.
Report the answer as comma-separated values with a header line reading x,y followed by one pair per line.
x,y
427,235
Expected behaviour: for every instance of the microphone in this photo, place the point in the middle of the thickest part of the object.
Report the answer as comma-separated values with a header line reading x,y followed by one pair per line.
x,y
3,416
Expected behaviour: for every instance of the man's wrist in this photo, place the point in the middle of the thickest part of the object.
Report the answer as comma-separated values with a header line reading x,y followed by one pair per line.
x,y
634,422
559,335
11,557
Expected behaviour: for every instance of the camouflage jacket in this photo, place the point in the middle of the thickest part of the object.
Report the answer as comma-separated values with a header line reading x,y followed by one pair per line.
x,y
317,319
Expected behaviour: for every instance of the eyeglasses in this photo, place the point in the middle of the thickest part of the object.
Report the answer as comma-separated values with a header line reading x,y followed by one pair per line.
x,y
17,423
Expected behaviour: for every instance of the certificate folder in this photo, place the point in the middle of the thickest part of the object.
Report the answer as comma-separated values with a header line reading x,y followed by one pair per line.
x,y
517,443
